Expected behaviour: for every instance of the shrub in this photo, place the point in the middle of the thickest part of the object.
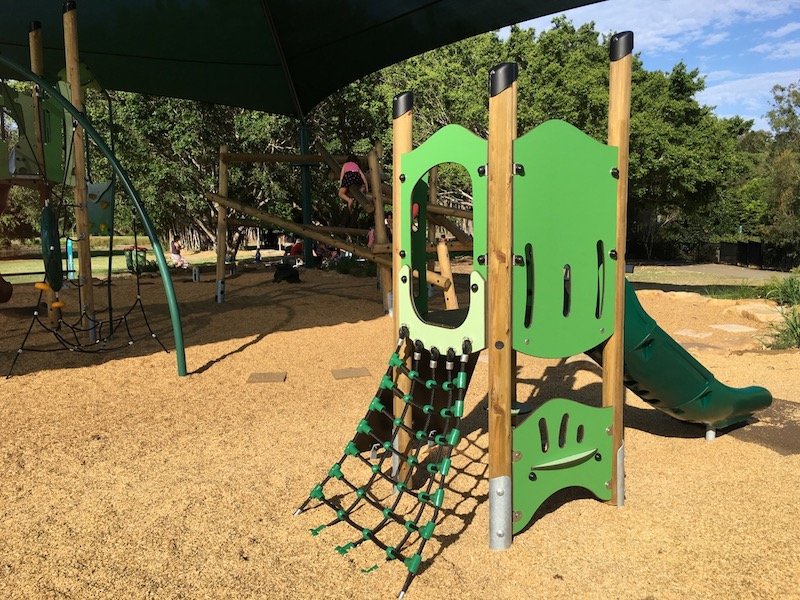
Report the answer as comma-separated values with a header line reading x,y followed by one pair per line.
x,y
786,334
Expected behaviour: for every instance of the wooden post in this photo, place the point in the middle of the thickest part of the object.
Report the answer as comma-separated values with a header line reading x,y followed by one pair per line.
x,y
450,298
502,131
37,67
79,152
384,273
619,111
402,123
222,224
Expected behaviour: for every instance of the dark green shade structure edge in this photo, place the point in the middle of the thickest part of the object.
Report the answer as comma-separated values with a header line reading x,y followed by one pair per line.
x,y
621,45
502,77
70,5
403,103
169,290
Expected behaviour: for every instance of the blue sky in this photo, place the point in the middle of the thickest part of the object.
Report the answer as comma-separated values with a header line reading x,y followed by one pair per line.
x,y
742,47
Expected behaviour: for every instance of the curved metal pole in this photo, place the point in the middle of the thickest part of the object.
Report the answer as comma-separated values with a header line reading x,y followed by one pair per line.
x,y
169,290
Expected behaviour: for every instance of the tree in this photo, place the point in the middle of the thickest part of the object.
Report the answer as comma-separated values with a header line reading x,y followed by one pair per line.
x,y
783,187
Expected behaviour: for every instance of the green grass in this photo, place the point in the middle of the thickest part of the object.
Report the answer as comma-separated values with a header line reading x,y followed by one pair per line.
x,y
734,292
785,292
24,265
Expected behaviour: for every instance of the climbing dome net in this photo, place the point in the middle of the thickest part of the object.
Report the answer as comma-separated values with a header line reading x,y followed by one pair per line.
x,y
100,330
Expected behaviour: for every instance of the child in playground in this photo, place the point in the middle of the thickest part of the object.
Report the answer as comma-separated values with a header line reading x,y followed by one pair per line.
x,y
351,175
175,251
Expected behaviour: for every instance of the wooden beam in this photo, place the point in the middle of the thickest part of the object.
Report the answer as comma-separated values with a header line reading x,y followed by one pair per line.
x,y
313,233
502,131
619,112
72,57
276,158
343,230
447,224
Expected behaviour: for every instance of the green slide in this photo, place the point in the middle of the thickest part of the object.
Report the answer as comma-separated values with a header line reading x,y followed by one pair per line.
x,y
666,376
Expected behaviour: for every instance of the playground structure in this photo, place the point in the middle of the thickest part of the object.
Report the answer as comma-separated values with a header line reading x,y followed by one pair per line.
x,y
373,203
549,215
54,146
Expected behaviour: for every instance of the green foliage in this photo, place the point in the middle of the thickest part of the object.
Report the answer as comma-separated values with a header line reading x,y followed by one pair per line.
x,y
784,291
783,168
21,219
694,177
787,333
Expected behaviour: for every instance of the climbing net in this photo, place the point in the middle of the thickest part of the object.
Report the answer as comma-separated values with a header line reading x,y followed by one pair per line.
x,y
390,491
100,328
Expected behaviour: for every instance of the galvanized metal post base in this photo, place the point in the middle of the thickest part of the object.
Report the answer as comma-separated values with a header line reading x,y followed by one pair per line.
x,y
621,475
220,291
500,513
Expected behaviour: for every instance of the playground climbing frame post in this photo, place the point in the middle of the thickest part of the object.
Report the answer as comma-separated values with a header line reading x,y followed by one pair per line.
x,y
37,66
502,131
619,103
402,124
79,151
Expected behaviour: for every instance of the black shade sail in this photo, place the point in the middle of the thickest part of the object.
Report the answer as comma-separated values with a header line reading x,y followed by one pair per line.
x,y
280,56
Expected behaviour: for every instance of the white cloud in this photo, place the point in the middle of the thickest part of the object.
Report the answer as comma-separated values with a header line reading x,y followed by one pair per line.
x,y
746,95
790,49
672,25
720,75
715,38
785,30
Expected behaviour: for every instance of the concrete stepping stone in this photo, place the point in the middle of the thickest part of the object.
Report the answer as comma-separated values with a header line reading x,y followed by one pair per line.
x,y
733,328
350,373
270,377
694,334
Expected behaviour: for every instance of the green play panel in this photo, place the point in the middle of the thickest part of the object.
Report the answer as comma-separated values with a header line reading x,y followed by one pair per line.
x,y
564,236
562,444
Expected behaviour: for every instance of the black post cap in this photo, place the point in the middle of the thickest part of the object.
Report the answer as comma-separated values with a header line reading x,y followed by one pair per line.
x,y
621,45
34,26
502,77
70,5
403,103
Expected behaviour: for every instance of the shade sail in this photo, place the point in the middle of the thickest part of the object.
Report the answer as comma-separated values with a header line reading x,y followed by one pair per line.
x,y
280,56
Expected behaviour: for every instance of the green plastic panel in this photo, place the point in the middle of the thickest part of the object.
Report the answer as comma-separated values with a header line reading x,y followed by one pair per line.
x,y
100,207
564,230
451,144
51,248
437,336
562,444
20,107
